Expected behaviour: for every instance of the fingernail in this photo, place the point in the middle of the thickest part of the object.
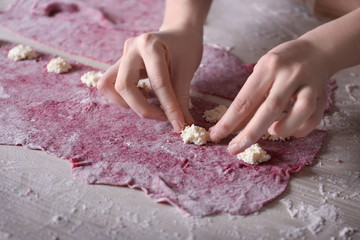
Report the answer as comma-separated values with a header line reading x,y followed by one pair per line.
x,y
239,146
215,137
177,126
234,149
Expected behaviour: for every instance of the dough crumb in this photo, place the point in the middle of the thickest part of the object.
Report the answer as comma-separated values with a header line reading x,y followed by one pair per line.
x,y
267,136
21,52
195,134
254,155
91,78
215,114
58,65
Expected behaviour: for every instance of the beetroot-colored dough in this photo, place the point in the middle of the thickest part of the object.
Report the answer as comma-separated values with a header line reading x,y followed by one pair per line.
x,y
110,145
98,30
93,28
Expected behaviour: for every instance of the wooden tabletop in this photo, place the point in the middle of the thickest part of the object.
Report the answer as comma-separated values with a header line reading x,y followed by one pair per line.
x,y
39,199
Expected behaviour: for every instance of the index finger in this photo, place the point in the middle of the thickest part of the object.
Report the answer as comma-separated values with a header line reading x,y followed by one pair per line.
x,y
126,86
267,113
158,71
245,103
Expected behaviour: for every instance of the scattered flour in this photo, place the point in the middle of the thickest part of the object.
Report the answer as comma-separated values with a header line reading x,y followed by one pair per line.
x,y
353,74
347,232
350,88
58,65
21,52
316,219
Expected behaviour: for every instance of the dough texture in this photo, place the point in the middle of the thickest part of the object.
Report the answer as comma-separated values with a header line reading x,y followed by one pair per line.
x,y
56,114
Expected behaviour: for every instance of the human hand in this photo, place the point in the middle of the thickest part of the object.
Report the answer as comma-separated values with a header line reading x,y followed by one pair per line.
x,y
293,71
169,58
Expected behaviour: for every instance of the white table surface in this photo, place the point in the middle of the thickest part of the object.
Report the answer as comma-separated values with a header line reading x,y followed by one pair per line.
x,y
39,199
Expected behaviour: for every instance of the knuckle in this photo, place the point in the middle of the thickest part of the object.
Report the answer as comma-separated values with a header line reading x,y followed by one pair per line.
x,y
148,40
271,60
298,67
157,83
241,104
250,137
171,109
128,43
225,127
274,104
120,87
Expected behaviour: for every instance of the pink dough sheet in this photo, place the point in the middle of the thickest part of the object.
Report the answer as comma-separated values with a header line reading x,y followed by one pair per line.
x,y
98,30
110,145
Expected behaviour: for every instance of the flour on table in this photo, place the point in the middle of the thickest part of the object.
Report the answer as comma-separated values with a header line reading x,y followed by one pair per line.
x,y
195,134
215,114
91,78
350,88
347,232
58,65
254,155
21,52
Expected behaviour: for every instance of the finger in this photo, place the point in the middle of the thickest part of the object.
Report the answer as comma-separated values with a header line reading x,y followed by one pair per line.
x,y
182,90
106,85
250,96
267,113
302,109
247,119
126,86
310,124
184,106
158,72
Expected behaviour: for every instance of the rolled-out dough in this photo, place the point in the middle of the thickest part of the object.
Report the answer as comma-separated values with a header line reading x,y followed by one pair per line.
x,y
110,145
98,30
92,28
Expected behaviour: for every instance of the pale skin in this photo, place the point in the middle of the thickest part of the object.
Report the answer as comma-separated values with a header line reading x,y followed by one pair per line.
x,y
297,70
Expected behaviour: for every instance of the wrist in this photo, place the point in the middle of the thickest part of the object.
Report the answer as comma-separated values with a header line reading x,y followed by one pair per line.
x,y
324,52
183,27
185,14
338,41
